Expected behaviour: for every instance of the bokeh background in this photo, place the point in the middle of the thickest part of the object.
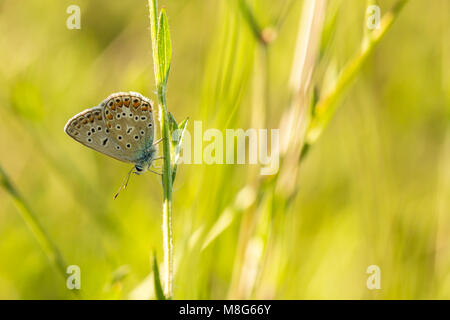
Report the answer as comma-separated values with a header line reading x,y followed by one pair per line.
x,y
374,189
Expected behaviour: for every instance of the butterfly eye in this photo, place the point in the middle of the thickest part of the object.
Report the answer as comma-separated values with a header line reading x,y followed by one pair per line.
x,y
138,169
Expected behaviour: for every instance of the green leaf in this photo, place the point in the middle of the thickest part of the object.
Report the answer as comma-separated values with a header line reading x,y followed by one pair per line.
x,y
183,124
173,125
176,141
164,49
158,287
153,6
179,137
250,18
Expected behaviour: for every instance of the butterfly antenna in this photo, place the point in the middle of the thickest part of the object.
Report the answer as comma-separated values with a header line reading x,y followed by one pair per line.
x,y
124,183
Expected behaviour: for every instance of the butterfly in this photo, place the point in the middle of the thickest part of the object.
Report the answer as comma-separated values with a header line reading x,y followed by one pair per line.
x,y
121,127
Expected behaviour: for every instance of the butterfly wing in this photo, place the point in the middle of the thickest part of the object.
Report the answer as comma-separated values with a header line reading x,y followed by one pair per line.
x,y
129,117
90,129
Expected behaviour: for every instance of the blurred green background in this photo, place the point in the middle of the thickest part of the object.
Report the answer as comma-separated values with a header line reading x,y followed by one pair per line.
x,y
373,190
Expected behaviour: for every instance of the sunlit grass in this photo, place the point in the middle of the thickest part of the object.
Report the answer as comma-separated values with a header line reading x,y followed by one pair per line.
x,y
371,190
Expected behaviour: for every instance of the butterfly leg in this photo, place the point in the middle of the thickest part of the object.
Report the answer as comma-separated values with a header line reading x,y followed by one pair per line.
x,y
155,172
158,141
157,158
124,183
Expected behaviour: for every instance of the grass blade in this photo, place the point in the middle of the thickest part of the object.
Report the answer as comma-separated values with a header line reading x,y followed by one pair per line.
x,y
158,287
164,49
327,105
44,240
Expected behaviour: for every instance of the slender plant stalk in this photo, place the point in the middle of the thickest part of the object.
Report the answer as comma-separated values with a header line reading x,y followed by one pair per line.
x,y
167,204
30,218
326,106
162,51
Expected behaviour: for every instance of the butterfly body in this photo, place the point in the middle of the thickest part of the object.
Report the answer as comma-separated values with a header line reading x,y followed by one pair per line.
x,y
145,161
121,126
